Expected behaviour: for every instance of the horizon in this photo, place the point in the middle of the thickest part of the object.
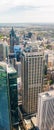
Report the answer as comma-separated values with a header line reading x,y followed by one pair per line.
x,y
40,23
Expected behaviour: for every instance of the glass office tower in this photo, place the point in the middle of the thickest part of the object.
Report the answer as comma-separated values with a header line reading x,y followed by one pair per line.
x,y
8,97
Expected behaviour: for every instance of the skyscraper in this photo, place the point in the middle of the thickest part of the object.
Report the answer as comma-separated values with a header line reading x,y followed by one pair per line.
x,y
32,78
46,110
14,40
8,97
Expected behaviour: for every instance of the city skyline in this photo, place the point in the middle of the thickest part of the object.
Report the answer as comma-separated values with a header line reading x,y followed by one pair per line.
x,y
27,11
26,70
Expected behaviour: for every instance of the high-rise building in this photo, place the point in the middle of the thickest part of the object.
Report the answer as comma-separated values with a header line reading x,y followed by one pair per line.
x,y
8,97
14,40
32,78
4,51
46,110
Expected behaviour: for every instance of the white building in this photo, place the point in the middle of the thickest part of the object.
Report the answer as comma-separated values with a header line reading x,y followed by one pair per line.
x,y
46,110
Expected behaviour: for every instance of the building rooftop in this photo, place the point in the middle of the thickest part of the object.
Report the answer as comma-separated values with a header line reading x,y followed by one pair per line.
x,y
27,124
4,43
51,87
3,66
7,67
28,54
34,121
33,48
47,95
10,69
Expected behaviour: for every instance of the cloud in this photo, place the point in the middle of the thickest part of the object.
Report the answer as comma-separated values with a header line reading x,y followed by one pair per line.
x,y
6,4
27,11
31,2
22,8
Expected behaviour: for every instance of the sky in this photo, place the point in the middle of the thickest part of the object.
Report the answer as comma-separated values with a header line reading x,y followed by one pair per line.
x,y
27,11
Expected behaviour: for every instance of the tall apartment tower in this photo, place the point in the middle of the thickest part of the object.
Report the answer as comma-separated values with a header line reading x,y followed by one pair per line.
x,y
46,110
32,78
8,97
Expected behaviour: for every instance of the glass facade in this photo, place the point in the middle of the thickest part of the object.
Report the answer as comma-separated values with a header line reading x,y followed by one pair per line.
x,y
8,98
12,77
4,102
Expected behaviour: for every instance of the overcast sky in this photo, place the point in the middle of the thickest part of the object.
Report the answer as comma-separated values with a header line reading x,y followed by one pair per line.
x,y
20,11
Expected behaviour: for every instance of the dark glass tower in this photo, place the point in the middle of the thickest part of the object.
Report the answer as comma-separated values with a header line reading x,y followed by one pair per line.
x,y
14,40
8,97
